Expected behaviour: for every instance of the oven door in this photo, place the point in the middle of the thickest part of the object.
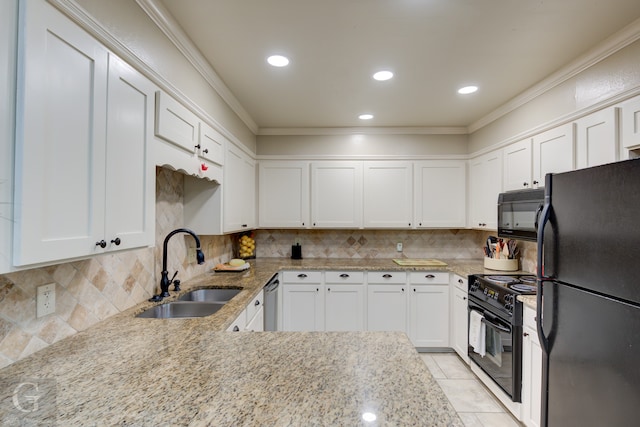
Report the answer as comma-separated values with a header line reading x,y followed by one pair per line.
x,y
501,360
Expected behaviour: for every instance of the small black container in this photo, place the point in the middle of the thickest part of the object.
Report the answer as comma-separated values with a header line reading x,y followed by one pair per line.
x,y
296,251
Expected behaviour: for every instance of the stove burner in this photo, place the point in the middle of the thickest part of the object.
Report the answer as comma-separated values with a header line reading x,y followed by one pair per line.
x,y
502,279
529,280
522,287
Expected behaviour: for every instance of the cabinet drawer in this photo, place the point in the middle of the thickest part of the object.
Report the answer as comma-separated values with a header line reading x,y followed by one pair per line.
x,y
387,277
344,277
460,282
302,277
529,317
255,305
430,278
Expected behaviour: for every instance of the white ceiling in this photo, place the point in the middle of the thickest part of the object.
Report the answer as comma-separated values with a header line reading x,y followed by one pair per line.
x,y
433,47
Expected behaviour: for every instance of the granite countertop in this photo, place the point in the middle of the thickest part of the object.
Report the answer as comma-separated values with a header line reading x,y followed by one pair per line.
x,y
528,300
132,371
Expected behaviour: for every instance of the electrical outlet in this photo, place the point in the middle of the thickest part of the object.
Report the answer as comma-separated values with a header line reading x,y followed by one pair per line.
x,y
191,255
399,246
46,300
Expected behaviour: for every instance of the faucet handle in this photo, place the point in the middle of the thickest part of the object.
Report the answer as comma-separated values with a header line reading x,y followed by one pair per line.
x,y
176,285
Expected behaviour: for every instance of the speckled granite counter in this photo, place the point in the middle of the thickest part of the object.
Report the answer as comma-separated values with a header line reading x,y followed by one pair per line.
x,y
153,372
528,300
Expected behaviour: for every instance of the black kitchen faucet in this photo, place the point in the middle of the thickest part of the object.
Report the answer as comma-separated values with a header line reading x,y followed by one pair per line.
x,y
164,280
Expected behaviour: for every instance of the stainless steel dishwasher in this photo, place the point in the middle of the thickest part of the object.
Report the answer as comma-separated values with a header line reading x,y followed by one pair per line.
x,y
271,304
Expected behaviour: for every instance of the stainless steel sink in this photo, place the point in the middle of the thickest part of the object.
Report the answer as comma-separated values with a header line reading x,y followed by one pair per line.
x,y
210,295
181,309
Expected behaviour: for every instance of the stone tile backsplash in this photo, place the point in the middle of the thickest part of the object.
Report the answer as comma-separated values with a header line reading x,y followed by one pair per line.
x,y
92,290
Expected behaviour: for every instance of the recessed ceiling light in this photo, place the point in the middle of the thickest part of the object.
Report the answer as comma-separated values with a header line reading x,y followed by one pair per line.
x,y
365,116
278,60
467,90
383,75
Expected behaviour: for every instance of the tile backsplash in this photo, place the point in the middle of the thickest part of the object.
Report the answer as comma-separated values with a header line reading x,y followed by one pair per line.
x,y
94,289
91,290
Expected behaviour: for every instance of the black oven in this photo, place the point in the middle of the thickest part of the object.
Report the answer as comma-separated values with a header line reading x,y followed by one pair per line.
x,y
497,314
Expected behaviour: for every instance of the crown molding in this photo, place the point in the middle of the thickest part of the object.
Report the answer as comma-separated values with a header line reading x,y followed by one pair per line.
x,y
168,25
608,47
364,130
346,157
81,17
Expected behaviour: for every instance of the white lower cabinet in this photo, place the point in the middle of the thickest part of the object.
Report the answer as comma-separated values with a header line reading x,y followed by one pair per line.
x,y
344,304
251,318
429,309
302,301
531,371
459,316
387,301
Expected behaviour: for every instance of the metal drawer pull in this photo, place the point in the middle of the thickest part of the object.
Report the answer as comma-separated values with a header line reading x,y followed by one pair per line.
x,y
236,329
345,275
257,302
387,276
302,275
460,281
430,276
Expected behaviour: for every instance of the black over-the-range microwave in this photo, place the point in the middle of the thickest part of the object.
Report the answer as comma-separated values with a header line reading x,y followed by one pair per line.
x,y
518,213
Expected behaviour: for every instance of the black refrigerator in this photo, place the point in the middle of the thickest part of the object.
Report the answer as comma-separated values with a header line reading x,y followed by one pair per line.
x,y
589,296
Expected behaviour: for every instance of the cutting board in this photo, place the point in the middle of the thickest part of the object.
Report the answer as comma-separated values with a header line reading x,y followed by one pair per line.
x,y
414,262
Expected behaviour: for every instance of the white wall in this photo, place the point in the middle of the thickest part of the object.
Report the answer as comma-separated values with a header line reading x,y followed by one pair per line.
x,y
362,145
131,26
616,75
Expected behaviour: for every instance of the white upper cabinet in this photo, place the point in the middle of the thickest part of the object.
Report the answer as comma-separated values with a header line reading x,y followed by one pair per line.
x,y
176,123
553,152
485,184
337,194
61,139
440,193
388,194
597,138
83,181
130,179
518,166
630,123
211,144
283,194
239,191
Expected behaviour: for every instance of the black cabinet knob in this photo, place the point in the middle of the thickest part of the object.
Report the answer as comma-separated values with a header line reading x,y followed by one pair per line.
x,y
102,244
198,146
205,151
116,241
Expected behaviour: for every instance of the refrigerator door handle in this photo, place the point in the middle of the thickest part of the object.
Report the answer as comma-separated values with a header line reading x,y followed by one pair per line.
x,y
544,219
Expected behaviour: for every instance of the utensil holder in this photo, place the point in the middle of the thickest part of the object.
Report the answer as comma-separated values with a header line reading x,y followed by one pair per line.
x,y
501,264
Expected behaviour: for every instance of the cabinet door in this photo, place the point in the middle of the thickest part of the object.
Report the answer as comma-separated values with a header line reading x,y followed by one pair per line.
x,y
344,307
8,58
256,324
440,193
630,123
302,307
387,308
597,138
517,165
60,139
336,194
212,144
531,378
485,184
460,323
283,194
238,190
388,194
553,152
130,182
176,123
429,315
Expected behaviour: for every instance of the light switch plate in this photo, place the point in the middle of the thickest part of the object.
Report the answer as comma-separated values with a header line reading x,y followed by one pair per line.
x,y
46,300
399,246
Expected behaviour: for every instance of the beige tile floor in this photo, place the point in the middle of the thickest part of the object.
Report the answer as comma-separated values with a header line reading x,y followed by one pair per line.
x,y
475,405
